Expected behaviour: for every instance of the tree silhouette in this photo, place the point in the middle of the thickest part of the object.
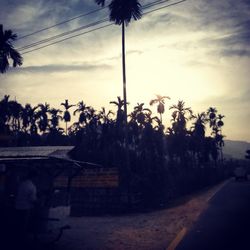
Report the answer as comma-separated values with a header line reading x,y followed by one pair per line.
x,y
179,117
220,123
42,114
199,125
121,12
211,112
15,109
28,116
247,156
105,116
160,104
140,113
198,140
82,109
7,50
66,114
4,113
120,111
55,117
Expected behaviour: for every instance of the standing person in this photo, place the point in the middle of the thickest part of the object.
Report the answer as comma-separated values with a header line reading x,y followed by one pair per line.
x,y
25,200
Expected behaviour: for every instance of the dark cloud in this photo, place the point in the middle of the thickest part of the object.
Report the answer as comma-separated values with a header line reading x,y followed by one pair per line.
x,y
55,68
235,52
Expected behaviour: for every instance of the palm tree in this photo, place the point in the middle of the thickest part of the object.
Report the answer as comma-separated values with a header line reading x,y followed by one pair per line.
x,y
15,110
66,114
139,113
105,116
199,125
4,113
211,112
55,117
7,50
220,123
179,116
121,12
218,136
160,104
27,115
43,116
198,140
120,112
83,110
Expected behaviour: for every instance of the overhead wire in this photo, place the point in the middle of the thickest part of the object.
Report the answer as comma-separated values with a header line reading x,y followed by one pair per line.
x,y
77,29
62,34
79,16
60,23
104,26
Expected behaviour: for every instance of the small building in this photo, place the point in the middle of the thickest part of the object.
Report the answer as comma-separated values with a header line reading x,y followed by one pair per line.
x,y
85,187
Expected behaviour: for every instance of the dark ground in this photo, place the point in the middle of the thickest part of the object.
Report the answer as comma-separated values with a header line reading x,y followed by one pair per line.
x,y
226,222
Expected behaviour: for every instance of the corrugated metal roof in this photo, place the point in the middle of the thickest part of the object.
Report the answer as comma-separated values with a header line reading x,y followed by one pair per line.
x,y
41,153
30,152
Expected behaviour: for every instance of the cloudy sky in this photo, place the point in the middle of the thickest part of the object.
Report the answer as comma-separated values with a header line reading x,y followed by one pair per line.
x,y
197,51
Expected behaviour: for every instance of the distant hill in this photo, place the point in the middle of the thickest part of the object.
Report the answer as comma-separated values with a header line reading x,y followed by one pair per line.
x,y
235,149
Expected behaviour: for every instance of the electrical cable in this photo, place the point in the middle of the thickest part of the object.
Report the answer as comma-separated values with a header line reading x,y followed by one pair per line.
x,y
60,23
99,28
79,28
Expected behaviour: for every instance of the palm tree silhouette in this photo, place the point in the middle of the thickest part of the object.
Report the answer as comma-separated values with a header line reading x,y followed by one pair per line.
x,y
55,117
161,104
211,112
15,109
179,116
218,136
139,113
105,116
66,114
7,50
199,125
198,140
83,110
220,123
4,114
43,116
121,12
120,112
27,115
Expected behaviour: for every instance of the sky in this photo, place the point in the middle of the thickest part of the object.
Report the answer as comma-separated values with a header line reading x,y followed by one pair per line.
x,y
196,51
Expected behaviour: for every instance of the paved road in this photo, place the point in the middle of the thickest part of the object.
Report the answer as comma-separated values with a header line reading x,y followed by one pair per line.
x,y
225,224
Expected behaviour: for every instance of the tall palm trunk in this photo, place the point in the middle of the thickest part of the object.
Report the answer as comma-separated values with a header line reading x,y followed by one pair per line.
x,y
124,73
66,128
128,175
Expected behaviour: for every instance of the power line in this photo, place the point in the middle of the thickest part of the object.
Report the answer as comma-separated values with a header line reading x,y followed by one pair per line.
x,y
166,6
60,23
62,34
79,28
79,16
68,38
169,5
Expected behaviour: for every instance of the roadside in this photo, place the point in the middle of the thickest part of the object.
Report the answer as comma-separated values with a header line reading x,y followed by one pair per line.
x,y
153,230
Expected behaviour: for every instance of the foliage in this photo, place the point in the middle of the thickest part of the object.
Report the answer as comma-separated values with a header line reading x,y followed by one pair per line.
x,y
157,156
7,50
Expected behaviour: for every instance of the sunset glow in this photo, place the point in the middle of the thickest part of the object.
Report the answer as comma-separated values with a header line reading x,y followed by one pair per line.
x,y
196,51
